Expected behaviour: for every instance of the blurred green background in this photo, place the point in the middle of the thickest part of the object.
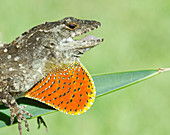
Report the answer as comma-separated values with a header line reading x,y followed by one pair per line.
x,y
137,36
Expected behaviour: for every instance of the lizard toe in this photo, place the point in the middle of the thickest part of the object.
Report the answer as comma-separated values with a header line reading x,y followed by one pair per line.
x,y
19,113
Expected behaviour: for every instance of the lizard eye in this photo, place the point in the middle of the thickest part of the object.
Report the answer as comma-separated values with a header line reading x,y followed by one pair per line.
x,y
72,26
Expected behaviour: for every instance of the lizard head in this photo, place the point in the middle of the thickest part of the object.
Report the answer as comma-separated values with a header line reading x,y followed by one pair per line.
x,y
55,41
72,27
64,32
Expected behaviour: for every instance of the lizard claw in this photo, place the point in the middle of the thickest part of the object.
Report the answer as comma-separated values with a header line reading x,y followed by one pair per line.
x,y
19,113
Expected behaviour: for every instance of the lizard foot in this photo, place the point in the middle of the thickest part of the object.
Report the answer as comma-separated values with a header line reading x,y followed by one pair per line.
x,y
19,113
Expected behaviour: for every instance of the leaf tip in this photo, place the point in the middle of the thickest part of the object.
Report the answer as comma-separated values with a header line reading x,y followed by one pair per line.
x,y
160,70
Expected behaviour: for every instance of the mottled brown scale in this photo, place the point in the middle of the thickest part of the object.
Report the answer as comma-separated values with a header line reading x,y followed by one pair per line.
x,y
36,54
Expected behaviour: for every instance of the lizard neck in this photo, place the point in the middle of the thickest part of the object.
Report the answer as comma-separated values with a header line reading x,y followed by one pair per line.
x,y
44,65
45,60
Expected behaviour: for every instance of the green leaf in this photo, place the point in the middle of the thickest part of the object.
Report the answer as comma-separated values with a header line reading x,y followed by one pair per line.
x,y
105,83
108,83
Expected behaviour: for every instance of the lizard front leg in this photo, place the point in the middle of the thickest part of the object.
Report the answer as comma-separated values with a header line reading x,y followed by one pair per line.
x,y
15,109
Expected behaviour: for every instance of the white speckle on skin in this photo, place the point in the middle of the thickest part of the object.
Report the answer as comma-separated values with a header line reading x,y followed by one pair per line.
x,y
9,57
69,39
16,58
73,34
13,101
57,48
17,46
24,71
10,69
43,30
20,65
4,101
37,38
5,50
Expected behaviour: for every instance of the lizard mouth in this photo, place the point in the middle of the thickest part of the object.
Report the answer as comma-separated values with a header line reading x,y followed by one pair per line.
x,y
91,38
89,41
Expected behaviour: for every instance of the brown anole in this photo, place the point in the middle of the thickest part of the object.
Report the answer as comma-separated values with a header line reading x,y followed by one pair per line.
x,y
43,64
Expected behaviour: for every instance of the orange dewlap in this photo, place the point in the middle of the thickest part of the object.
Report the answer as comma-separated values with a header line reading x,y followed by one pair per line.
x,y
71,91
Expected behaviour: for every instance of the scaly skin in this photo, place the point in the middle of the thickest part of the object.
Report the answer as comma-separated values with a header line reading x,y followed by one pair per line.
x,y
36,53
